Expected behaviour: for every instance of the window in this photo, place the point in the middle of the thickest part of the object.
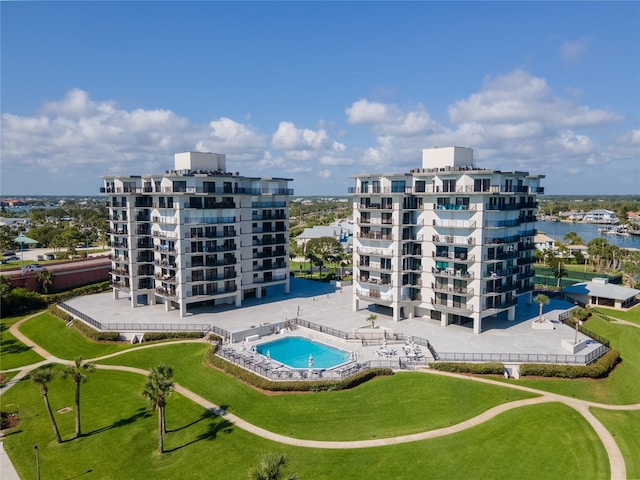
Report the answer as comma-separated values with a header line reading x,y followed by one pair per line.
x,y
448,185
179,186
364,187
420,185
398,186
481,184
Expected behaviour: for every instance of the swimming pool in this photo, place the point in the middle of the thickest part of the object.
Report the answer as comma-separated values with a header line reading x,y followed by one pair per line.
x,y
295,351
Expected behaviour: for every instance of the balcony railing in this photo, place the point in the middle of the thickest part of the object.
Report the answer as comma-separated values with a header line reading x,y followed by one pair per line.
x,y
451,273
375,236
460,257
462,291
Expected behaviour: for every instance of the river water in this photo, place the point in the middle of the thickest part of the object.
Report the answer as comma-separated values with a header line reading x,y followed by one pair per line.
x,y
588,231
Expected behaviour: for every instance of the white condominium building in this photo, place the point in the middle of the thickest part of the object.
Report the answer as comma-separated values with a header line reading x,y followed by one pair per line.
x,y
449,242
197,235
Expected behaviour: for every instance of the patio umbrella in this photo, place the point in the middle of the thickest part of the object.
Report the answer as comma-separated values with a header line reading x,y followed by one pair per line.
x,y
310,361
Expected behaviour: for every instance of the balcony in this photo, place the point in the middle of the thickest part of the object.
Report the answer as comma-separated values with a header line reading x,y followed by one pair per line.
x,y
498,290
496,307
490,274
374,296
454,224
166,292
208,220
452,207
501,240
273,278
375,236
458,308
453,240
502,223
461,257
121,286
461,291
451,273
375,281
375,221
165,220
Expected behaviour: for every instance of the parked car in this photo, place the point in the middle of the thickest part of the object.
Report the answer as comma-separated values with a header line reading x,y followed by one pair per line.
x,y
9,254
50,256
33,267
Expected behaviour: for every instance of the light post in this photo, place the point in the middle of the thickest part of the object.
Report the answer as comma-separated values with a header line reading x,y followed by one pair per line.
x,y
35,447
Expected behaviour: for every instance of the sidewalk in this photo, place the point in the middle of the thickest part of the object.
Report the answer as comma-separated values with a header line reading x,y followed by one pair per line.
x,y
7,472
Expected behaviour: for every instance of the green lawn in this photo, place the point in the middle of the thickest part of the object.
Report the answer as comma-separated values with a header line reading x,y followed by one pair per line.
x,y
632,315
61,341
14,353
624,426
544,441
384,407
620,387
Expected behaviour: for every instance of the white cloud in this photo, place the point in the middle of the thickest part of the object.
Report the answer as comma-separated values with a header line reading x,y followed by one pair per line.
x,y
572,51
289,137
389,118
228,136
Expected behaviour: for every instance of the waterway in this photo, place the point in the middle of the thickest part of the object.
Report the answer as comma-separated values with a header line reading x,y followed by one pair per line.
x,y
587,231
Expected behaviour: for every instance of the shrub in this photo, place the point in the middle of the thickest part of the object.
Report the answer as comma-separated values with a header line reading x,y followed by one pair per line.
x,y
476,368
598,369
83,328
155,336
19,300
292,386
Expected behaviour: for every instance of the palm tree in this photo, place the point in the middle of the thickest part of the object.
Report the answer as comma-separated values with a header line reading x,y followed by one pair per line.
x,y
541,299
372,318
271,468
158,387
41,377
45,279
77,373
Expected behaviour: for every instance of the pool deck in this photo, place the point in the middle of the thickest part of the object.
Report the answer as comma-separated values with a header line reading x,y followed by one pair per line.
x,y
323,304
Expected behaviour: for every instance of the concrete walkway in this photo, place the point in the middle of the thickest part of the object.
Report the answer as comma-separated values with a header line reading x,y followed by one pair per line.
x,y
616,459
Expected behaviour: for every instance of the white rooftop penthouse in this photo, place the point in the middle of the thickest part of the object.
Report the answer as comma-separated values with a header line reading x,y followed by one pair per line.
x,y
448,242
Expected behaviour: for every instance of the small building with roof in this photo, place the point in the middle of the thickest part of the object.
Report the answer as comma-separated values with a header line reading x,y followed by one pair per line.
x,y
599,292
544,242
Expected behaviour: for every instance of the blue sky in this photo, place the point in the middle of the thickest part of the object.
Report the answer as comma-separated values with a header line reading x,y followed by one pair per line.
x,y
319,91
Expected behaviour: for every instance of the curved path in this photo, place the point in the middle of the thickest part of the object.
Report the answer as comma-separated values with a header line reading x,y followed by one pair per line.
x,y
616,460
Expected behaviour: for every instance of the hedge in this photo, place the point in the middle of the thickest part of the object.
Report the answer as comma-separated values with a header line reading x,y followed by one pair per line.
x,y
78,292
154,336
598,369
476,368
83,328
292,386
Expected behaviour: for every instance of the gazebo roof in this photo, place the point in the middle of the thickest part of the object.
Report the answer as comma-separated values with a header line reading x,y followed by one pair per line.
x,y
22,240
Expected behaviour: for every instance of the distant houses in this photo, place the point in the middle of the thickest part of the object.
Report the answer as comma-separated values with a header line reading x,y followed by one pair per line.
x,y
601,215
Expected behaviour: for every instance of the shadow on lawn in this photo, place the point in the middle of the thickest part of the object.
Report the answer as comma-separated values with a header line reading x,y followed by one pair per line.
x,y
10,347
215,426
142,413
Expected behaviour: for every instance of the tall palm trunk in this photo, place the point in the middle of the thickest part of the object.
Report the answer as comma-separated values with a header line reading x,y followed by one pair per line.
x,y
78,430
160,429
45,396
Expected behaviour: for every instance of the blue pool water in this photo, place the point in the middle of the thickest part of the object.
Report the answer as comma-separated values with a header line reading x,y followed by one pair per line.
x,y
295,351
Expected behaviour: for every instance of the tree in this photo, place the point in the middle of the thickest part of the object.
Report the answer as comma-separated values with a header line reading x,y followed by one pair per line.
x,y
324,247
41,377
271,468
372,318
572,238
558,271
541,299
77,373
45,279
629,270
158,388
